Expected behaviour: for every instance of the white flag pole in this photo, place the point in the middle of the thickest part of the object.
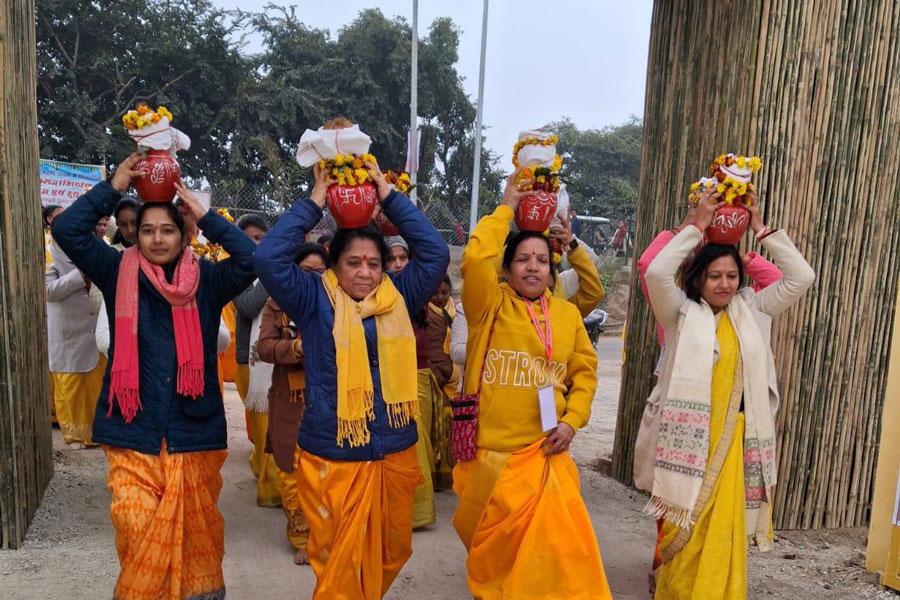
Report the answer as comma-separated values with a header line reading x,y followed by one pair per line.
x,y
414,103
476,169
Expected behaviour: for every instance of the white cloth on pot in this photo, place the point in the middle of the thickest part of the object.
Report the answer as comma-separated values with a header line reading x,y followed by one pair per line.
x,y
536,155
325,144
160,136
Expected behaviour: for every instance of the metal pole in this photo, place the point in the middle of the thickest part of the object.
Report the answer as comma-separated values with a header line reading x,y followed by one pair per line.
x,y
414,103
476,169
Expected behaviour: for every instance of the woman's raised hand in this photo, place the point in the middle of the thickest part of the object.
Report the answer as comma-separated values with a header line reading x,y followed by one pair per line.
x,y
125,172
690,216
322,181
562,233
706,208
512,195
190,201
756,222
382,185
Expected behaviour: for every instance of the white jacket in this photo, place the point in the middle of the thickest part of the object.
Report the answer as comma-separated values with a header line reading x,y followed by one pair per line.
x,y
70,317
568,279
669,300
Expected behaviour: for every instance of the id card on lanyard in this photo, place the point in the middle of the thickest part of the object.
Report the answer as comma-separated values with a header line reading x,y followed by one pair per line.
x,y
546,397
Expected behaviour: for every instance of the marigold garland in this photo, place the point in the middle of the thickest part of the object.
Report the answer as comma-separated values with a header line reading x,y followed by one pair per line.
x,y
347,169
142,116
399,179
733,190
541,178
535,141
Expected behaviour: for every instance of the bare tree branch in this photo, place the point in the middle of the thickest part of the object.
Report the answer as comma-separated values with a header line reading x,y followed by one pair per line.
x,y
138,96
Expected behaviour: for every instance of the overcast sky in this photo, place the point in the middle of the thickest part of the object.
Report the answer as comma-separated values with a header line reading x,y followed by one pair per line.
x,y
585,59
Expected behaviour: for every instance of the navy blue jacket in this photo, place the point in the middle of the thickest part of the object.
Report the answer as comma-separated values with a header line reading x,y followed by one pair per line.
x,y
303,297
187,424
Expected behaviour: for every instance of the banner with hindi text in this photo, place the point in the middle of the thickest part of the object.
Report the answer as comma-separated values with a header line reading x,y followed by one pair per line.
x,y
62,183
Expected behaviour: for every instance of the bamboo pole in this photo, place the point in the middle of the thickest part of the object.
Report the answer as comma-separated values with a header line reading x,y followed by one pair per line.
x,y
26,457
814,89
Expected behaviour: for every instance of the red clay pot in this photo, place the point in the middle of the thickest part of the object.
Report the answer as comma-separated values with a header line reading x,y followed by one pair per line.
x,y
386,225
729,225
163,172
352,206
535,211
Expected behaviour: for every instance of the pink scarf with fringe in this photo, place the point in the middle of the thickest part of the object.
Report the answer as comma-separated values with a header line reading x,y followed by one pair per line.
x,y
181,294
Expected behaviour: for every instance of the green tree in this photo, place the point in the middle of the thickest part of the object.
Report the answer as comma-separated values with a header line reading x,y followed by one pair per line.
x,y
97,60
245,114
304,77
601,167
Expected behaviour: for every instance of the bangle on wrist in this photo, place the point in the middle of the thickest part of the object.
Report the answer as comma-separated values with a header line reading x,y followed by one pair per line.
x,y
763,232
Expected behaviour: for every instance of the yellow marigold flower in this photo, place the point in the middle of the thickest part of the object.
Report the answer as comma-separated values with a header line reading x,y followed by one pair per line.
x,y
357,163
740,160
720,188
322,164
741,189
730,196
361,173
339,160
695,186
351,180
755,163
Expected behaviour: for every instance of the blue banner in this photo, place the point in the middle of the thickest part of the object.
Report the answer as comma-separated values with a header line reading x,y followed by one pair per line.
x,y
62,183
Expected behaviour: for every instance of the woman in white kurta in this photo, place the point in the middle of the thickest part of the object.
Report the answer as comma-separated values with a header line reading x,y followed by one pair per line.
x,y
76,366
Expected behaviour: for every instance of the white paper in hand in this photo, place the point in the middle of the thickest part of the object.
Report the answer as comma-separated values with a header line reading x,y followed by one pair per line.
x,y
547,404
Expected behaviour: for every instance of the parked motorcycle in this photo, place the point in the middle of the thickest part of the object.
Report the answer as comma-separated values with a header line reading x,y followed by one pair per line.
x,y
595,323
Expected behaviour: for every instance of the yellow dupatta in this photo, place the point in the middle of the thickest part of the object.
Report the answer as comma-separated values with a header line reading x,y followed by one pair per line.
x,y
396,359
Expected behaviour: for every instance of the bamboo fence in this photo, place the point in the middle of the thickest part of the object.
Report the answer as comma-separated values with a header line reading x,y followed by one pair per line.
x,y
26,458
814,89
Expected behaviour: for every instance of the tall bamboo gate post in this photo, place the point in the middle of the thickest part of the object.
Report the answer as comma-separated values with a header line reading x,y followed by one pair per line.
x,y
26,460
814,89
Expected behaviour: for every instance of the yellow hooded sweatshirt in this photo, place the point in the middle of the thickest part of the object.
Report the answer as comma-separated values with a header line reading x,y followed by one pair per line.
x,y
509,417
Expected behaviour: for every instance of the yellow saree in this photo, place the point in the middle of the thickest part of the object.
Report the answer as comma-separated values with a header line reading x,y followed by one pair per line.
x,y
711,563
526,527
360,521
423,506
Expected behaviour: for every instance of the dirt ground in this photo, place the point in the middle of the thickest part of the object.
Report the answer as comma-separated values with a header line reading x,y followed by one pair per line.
x,y
70,550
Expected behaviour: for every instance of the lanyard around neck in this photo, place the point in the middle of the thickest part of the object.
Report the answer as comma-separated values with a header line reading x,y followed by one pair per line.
x,y
545,335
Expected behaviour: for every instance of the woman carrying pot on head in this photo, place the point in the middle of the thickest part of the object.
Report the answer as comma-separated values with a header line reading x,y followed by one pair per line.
x,y
761,273
713,472
160,415
531,365
279,343
358,463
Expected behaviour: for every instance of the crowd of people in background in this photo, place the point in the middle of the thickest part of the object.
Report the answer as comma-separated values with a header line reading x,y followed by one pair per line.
x,y
354,355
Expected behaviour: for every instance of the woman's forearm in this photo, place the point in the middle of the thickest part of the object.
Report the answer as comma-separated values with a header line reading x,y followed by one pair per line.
x,y
666,297
292,289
